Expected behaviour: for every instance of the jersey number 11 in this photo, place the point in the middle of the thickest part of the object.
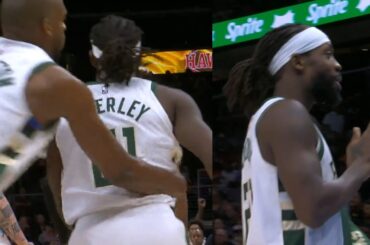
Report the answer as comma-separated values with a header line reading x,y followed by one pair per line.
x,y
123,135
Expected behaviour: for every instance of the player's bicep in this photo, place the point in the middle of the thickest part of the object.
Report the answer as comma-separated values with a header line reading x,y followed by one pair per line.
x,y
293,144
192,132
189,127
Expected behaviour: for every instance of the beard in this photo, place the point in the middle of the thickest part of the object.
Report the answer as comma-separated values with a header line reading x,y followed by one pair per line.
x,y
325,90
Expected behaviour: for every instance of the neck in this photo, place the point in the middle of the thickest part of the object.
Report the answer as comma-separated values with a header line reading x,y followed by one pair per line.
x,y
23,36
291,89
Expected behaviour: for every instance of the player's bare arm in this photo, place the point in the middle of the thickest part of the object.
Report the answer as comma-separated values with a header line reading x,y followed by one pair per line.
x,y
54,168
189,128
9,223
55,93
181,208
314,200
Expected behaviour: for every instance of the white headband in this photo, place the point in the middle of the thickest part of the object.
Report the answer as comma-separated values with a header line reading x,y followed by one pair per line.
x,y
303,42
97,52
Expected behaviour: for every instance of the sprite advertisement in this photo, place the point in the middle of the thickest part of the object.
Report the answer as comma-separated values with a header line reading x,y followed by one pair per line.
x,y
311,13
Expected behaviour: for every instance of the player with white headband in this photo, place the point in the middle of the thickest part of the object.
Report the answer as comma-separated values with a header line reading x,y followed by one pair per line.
x,y
291,193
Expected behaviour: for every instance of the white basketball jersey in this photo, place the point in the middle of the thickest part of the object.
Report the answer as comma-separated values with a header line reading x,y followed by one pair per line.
x,y
22,138
140,124
268,213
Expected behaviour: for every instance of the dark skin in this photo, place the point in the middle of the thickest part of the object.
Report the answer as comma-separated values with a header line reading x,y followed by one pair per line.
x,y
296,159
190,130
54,93
188,125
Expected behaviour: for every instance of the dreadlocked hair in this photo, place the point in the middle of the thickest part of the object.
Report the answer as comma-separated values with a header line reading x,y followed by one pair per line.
x,y
250,82
117,37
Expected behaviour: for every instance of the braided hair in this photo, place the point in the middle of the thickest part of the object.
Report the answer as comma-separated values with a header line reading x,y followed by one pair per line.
x,y
250,82
117,37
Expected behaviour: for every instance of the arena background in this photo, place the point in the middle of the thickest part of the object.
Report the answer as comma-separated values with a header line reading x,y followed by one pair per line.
x,y
167,26
351,40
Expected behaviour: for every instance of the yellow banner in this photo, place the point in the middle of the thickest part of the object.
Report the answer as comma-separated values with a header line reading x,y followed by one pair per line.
x,y
178,61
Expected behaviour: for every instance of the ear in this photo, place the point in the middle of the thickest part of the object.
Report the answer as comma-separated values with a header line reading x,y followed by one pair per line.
x,y
93,60
298,62
47,27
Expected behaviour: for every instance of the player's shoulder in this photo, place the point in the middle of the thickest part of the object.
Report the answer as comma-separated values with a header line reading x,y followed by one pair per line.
x,y
53,79
180,102
287,107
29,51
174,94
287,115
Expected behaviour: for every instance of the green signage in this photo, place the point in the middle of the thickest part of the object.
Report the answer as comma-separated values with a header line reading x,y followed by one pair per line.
x,y
310,13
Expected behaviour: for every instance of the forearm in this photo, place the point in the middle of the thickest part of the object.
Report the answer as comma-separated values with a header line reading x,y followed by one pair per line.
x,y
119,167
9,223
55,188
147,179
54,169
207,159
336,194
206,148
181,209
200,214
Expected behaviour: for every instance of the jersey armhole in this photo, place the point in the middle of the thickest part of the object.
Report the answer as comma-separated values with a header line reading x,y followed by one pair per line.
x,y
320,143
153,87
40,67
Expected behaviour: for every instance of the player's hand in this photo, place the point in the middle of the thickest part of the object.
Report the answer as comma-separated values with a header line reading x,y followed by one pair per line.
x,y
358,149
351,147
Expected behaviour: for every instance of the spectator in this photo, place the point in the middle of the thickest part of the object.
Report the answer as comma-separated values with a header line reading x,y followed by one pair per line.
x,y
49,236
221,237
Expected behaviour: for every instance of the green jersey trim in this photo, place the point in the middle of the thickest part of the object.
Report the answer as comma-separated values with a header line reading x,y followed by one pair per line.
x,y
294,237
40,67
153,87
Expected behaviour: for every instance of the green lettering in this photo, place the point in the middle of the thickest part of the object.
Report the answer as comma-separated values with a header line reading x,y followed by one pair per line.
x,y
132,107
142,111
6,82
110,104
120,111
129,134
99,105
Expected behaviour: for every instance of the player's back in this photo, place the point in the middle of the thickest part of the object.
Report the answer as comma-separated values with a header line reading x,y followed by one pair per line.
x,y
139,122
21,137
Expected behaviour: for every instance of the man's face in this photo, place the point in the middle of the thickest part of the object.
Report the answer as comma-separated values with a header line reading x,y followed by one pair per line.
x,y
220,236
325,77
59,27
196,237
193,228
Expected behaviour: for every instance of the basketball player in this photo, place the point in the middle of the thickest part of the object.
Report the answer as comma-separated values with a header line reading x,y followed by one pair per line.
x,y
35,93
151,121
290,191
8,222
